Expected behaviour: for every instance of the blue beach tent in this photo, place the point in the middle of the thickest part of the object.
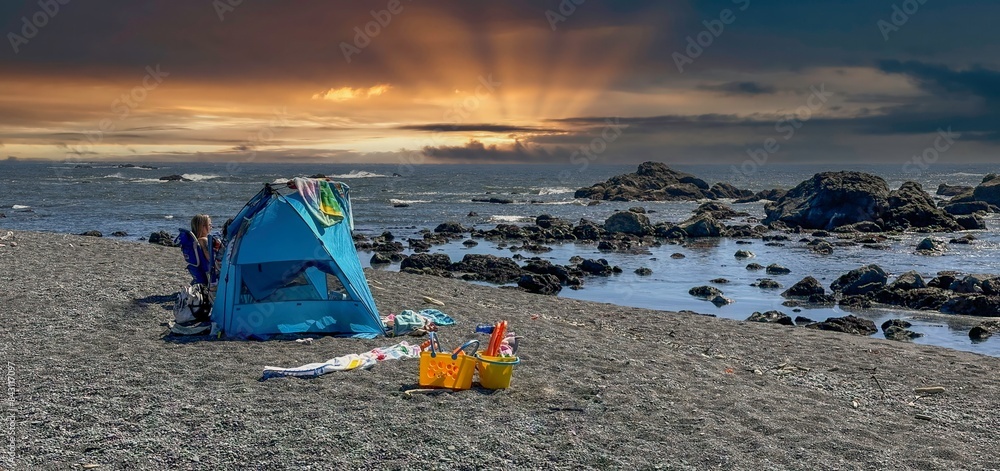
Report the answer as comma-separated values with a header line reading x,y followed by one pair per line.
x,y
285,271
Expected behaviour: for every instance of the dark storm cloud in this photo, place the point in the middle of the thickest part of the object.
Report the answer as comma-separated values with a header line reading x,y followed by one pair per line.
x,y
480,127
476,151
939,79
740,88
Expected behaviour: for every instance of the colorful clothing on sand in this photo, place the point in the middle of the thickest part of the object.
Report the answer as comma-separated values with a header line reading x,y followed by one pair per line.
x,y
399,351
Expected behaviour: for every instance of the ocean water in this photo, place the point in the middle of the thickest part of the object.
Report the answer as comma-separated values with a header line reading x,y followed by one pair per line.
x,y
77,197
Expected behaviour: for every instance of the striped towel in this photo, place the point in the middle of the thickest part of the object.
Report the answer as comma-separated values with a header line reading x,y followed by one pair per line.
x,y
399,351
321,200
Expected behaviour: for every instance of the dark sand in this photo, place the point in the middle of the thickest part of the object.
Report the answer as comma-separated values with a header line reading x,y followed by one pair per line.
x,y
601,386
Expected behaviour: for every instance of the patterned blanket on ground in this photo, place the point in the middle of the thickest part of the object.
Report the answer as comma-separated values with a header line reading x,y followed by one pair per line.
x,y
399,351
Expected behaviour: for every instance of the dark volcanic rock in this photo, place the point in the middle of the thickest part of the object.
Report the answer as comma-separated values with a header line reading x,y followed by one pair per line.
x,y
984,330
920,299
929,246
588,230
643,271
945,189
848,324
653,181
162,238
861,281
988,191
900,334
174,178
855,302
912,208
822,299
546,221
92,234
706,292
717,211
973,305
628,222
728,191
907,281
488,268
771,317
832,200
422,261
380,259
943,280
805,288
450,227
703,226
755,267
971,222
540,284
971,207
492,200
897,323
599,267
119,234
766,195
775,269
720,300
743,254
766,283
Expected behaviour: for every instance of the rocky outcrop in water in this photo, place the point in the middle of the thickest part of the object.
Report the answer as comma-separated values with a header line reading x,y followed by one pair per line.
x,y
945,189
833,200
847,324
174,178
771,317
987,191
654,181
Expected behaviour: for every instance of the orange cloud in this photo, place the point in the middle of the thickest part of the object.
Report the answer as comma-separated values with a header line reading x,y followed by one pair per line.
x,y
349,93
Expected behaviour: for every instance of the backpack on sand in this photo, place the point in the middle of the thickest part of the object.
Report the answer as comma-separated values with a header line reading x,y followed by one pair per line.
x,y
194,303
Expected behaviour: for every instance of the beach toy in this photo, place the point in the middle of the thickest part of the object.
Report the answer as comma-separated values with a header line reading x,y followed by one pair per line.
x,y
442,370
484,329
499,332
495,372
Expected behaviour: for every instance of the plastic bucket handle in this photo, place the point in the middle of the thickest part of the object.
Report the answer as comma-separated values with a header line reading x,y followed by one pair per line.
x,y
516,361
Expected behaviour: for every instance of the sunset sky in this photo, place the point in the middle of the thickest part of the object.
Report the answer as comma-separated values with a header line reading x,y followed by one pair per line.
x,y
507,81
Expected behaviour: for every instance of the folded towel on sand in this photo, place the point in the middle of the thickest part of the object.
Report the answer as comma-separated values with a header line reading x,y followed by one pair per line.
x,y
399,351
321,200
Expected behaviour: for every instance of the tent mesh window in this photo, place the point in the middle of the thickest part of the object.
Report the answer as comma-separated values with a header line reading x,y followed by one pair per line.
x,y
335,288
290,281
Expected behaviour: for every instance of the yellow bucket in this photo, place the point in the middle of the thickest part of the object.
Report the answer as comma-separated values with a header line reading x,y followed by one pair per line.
x,y
496,372
443,370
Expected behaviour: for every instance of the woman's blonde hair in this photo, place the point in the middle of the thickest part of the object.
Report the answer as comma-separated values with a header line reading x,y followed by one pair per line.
x,y
199,221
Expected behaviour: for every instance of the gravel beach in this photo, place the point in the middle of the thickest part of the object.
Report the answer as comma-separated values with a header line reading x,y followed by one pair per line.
x,y
94,382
